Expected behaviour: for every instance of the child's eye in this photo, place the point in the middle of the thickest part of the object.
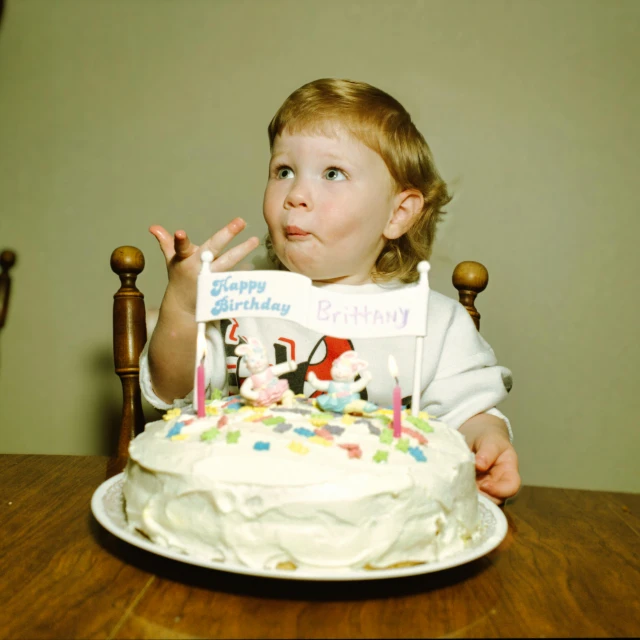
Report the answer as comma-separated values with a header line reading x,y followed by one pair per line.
x,y
334,174
284,173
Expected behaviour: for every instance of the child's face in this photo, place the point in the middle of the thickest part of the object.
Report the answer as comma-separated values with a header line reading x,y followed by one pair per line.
x,y
328,203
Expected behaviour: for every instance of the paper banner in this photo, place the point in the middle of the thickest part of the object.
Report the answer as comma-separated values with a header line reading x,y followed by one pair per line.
x,y
291,296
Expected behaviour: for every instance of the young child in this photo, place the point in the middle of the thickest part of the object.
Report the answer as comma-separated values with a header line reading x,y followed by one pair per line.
x,y
352,201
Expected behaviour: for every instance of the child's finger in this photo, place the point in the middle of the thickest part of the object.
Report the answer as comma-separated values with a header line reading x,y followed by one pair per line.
x,y
165,240
506,486
219,240
182,245
231,258
486,455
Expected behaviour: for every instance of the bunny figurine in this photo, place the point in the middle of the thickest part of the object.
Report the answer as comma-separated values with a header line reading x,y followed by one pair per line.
x,y
263,387
343,392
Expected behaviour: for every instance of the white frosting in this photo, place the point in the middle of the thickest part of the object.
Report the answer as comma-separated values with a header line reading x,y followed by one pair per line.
x,y
317,507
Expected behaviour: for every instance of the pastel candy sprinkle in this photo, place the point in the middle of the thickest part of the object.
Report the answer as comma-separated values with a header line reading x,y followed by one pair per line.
x,y
298,447
320,419
210,434
347,419
323,433
353,450
318,440
403,445
262,446
175,430
216,394
282,427
334,430
180,436
374,431
419,423
381,456
233,437
172,413
307,433
386,437
272,420
211,411
384,419
223,421
415,434
416,452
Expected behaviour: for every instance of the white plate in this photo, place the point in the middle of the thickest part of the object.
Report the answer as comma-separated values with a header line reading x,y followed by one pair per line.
x,y
107,505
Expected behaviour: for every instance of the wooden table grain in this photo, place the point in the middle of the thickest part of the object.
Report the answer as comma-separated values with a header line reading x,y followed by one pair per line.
x,y
569,566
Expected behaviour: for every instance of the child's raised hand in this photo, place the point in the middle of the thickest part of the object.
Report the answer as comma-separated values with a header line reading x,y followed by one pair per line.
x,y
183,258
497,473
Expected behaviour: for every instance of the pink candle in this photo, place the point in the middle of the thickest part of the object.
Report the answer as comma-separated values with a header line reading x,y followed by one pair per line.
x,y
397,399
397,410
200,390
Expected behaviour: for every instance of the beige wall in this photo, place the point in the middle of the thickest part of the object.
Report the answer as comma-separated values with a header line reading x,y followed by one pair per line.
x,y
118,114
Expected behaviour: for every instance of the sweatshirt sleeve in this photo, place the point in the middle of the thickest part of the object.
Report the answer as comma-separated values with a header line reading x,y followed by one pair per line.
x,y
468,379
214,365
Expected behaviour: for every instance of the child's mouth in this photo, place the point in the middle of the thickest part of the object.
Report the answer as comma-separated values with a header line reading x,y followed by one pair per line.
x,y
295,232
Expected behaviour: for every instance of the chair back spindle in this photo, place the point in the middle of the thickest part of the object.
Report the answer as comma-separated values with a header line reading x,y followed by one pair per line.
x,y
7,260
470,278
129,338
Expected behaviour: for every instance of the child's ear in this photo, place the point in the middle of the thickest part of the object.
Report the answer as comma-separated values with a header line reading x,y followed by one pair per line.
x,y
407,208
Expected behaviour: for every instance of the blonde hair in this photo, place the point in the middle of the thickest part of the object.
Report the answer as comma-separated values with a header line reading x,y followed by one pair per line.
x,y
379,121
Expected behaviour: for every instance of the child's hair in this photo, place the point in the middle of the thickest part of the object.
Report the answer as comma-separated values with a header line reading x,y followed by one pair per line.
x,y
379,121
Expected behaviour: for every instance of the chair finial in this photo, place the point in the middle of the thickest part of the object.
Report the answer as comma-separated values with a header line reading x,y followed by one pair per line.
x,y
7,259
470,278
127,260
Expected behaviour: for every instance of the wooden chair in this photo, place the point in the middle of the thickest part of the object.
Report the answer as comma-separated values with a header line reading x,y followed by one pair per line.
x,y
7,260
130,334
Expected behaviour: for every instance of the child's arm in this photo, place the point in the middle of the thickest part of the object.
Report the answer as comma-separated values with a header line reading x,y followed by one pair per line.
x,y
497,473
172,347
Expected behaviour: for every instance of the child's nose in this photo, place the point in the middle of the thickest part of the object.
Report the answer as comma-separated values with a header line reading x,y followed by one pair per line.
x,y
299,196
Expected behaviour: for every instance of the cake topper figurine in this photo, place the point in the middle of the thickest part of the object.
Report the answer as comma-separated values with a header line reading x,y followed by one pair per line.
x,y
343,391
263,387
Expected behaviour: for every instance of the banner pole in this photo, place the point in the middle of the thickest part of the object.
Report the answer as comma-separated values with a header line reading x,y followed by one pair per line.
x,y
423,268
201,346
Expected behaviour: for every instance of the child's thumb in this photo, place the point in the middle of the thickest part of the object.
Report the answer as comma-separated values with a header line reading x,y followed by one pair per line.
x,y
486,456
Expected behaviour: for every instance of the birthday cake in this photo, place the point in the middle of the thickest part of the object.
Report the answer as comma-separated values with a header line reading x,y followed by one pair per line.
x,y
269,480
293,486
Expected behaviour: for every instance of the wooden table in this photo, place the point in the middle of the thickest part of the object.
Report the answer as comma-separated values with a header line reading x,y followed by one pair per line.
x,y
569,566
